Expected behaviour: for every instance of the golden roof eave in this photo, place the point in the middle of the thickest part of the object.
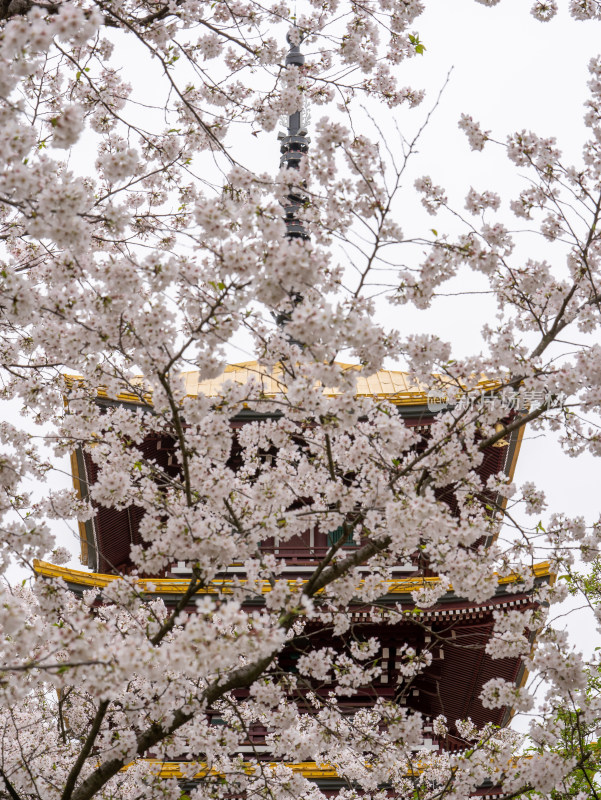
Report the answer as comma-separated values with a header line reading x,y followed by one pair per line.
x,y
173,769
308,769
393,386
174,586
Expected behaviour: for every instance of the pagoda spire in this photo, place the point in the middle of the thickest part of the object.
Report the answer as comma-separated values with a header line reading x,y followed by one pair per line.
x,y
294,144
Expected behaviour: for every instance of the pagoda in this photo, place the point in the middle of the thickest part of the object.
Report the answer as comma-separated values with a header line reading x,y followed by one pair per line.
x,y
454,629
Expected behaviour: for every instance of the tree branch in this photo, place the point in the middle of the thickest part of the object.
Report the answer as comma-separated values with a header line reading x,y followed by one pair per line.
x,y
85,750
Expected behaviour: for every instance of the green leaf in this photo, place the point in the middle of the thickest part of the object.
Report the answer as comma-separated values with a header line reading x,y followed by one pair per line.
x,y
419,47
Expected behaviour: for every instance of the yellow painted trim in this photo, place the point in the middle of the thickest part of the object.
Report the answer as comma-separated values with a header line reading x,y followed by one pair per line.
x,y
83,539
514,460
516,452
543,570
224,586
308,769
172,769
125,397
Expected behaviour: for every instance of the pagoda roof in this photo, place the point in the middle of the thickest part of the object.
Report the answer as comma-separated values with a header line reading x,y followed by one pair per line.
x,y
400,589
460,665
395,386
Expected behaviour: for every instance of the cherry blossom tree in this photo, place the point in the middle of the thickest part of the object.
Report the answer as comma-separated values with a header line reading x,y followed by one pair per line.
x,y
140,239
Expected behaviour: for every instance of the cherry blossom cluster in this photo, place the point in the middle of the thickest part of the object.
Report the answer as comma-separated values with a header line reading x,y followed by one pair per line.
x,y
141,241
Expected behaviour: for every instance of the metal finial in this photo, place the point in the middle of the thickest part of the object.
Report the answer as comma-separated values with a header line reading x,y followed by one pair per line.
x,y
294,55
